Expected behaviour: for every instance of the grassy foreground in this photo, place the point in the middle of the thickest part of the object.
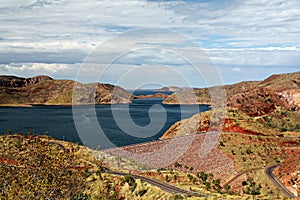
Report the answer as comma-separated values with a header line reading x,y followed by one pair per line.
x,y
35,167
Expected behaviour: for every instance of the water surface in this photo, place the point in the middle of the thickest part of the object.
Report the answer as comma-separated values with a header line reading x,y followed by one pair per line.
x,y
58,121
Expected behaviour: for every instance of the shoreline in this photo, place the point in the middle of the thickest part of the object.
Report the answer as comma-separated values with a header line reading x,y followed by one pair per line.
x,y
69,105
15,106
37,105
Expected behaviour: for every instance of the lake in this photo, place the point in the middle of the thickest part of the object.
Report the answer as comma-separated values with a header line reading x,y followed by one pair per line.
x,y
58,121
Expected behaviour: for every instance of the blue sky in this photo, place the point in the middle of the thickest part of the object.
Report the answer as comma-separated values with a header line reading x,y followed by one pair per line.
x,y
244,40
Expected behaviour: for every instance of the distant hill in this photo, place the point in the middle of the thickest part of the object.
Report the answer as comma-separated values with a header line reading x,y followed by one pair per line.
x,y
47,91
252,97
172,89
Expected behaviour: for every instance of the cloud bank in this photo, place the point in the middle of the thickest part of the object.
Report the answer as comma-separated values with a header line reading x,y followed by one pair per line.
x,y
245,39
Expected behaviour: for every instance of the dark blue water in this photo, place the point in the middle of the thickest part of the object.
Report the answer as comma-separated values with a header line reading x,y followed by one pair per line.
x,y
147,92
58,121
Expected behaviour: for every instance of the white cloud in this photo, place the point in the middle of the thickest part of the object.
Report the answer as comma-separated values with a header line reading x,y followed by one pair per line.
x,y
236,69
246,23
15,3
265,57
45,46
233,33
34,67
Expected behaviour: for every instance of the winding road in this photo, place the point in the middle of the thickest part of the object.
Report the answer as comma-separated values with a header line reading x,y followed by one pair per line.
x,y
270,175
277,183
162,185
174,189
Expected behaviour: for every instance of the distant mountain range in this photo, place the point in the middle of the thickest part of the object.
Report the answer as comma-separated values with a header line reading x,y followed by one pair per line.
x,y
252,97
47,91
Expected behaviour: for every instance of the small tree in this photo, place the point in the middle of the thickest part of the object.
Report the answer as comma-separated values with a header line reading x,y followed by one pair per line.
x,y
131,182
202,176
168,178
227,187
252,188
217,185
207,185
177,164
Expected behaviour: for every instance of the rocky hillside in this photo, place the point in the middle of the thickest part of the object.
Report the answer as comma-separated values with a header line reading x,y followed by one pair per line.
x,y
253,97
260,128
39,167
267,107
14,81
45,90
289,170
251,143
277,123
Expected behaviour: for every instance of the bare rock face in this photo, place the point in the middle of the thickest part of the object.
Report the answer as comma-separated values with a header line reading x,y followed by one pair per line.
x,y
17,82
289,171
292,97
36,79
257,102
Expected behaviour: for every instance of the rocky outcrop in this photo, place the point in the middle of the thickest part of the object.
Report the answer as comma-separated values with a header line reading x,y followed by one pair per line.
x,y
257,102
292,97
289,171
17,82
45,90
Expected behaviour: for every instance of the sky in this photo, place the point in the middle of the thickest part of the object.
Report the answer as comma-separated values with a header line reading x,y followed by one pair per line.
x,y
150,43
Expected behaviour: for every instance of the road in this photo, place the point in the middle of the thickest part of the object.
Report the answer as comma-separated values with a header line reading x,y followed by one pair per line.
x,y
174,189
162,185
270,175
240,174
277,183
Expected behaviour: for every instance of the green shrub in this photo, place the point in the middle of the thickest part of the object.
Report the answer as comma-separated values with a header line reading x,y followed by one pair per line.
x,y
249,151
177,164
202,176
283,129
131,182
142,192
207,185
